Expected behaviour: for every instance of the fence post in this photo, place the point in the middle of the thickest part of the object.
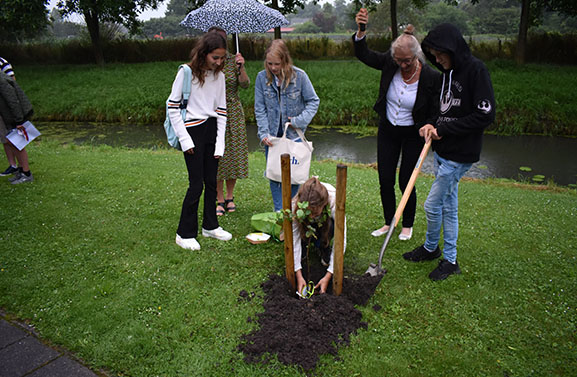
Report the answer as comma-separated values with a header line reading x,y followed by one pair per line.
x,y
287,223
341,198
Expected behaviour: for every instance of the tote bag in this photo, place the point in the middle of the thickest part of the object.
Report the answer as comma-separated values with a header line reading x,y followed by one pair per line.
x,y
300,157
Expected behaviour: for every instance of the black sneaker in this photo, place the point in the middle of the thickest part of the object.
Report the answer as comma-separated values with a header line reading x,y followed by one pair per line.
x,y
421,254
444,269
10,170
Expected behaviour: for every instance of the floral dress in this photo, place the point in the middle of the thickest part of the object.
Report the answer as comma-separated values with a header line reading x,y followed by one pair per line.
x,y
234,162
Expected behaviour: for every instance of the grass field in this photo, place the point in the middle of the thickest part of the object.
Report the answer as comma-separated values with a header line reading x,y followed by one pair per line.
x,y
88,258
536,99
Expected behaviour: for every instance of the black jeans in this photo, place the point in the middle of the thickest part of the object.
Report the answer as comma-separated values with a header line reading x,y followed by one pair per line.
x,y
392,142
202,167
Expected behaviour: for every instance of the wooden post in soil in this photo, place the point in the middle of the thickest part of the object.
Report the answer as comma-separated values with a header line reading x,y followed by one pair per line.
x,y
287,224
341,198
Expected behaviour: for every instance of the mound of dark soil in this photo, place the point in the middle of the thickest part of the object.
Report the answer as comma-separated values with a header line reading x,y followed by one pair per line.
x,y
299,330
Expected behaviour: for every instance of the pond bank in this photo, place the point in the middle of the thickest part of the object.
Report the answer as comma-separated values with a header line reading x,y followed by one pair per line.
x,y
526,158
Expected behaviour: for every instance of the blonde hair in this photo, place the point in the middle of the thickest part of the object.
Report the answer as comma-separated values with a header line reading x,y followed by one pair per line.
x,y
279,50
316,194
408,40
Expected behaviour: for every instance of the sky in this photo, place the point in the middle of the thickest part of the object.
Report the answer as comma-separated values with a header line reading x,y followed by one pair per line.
x,y
144,16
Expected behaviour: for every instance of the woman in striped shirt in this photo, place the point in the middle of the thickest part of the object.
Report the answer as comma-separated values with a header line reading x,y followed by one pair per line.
x,y
201,136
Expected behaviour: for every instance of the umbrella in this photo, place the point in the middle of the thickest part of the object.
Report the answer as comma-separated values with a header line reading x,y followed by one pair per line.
x,y
234,16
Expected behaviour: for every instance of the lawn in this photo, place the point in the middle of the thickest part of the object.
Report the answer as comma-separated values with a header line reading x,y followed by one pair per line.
x,y
88,258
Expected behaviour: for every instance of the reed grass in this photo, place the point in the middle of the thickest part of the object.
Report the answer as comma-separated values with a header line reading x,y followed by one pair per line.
x,y
532,99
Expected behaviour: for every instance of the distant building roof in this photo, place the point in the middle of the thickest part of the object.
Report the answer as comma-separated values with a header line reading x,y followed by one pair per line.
x,y
283,30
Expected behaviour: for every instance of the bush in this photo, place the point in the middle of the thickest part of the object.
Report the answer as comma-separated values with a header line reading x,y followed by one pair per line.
x,y
541,48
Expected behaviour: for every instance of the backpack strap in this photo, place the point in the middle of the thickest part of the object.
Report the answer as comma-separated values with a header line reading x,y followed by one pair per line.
x,y
185,88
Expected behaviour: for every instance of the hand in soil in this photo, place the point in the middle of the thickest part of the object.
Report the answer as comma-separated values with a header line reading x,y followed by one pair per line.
x,y
324,282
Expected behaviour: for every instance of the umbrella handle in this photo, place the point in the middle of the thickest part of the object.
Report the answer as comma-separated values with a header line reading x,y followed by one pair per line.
x,y
236,37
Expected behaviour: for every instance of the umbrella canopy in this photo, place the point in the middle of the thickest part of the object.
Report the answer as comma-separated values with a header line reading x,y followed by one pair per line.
x,y
234,16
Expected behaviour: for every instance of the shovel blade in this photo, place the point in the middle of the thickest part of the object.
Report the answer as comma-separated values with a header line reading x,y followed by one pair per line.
x,y
374,270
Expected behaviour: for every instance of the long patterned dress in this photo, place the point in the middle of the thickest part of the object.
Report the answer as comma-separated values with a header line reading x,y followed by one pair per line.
x,y
234,162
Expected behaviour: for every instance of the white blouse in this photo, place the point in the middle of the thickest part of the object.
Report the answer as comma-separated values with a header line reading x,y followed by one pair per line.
x,y
401,99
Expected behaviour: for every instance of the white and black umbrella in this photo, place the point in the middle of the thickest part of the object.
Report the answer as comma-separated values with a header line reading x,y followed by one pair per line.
x,y
234,16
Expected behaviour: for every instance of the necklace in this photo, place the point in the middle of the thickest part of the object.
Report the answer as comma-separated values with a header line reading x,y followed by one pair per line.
x,y
413,75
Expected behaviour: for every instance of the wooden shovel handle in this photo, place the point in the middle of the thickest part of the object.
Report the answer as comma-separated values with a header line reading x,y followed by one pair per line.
x,y
411,183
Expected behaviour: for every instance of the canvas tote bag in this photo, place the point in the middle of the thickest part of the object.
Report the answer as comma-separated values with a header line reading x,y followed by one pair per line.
x,y
300,157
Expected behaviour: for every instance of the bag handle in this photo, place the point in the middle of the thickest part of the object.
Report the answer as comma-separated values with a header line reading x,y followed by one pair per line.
x,y
299,132
186,86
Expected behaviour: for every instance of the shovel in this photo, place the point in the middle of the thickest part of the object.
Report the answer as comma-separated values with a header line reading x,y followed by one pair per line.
x,y
376,270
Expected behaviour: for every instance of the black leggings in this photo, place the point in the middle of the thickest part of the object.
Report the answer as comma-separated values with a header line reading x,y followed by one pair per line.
x,y
202,167
392,142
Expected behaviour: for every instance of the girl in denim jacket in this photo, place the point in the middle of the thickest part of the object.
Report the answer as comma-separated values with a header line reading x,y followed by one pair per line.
x,y
283,93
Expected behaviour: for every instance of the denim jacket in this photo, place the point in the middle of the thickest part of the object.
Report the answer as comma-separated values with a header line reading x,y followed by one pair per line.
x,y
271,108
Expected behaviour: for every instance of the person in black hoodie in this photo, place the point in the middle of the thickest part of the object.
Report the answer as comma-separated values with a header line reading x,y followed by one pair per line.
x,y
467,107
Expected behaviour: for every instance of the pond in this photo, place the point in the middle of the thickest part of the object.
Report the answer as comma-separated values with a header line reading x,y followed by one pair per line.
x,y
536,158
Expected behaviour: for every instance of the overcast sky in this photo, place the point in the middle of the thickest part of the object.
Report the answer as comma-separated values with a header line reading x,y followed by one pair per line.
x,y
146,15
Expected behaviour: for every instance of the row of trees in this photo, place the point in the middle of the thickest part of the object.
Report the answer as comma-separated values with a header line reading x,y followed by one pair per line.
x,y
22,19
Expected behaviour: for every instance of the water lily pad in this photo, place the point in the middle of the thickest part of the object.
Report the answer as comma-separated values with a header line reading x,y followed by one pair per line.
x,y
538,178
525,168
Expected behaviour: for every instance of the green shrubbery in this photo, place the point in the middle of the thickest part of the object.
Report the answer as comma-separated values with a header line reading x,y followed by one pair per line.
x,y
541,48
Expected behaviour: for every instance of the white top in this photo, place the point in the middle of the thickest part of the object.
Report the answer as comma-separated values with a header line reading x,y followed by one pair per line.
x,y
207,101
297,249
401,99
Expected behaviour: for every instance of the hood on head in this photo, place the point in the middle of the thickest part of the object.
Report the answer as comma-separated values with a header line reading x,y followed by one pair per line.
x,y
446,38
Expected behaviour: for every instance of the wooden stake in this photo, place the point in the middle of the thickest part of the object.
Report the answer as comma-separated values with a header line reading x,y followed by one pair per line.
x,y
341,198
287,224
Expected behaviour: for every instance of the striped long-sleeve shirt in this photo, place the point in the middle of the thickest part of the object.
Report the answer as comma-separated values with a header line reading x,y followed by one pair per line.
x,y
6,67
206,101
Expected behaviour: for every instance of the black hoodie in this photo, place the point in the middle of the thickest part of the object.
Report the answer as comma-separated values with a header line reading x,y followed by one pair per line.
x,y
467,102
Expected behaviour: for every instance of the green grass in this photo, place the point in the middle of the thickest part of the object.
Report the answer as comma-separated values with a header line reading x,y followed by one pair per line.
x,y
88,258
535,99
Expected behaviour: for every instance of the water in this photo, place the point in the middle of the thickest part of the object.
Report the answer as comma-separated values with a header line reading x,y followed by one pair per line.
x,y
502,156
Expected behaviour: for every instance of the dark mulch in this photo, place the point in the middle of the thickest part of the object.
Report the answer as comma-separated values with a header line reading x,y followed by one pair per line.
x,y
297,331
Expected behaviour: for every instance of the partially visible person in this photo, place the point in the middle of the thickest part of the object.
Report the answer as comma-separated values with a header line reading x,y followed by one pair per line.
x,y
234,163
6,68
407,101
321,199
283,93
13,167
15,110
467,107
201,137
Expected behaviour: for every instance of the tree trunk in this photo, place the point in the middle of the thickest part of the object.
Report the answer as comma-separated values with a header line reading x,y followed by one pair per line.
x,y
394,27
93,26
523,27
277,34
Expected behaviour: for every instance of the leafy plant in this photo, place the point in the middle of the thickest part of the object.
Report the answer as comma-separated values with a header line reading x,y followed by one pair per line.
x,y
303,215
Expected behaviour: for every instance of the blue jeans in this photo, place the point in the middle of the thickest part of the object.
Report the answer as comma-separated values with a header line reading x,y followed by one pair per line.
x,y
442,206
276,189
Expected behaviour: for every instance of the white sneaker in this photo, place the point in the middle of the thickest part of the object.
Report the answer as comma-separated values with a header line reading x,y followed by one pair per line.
x,y
406,237
187,243
379,232
218,233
